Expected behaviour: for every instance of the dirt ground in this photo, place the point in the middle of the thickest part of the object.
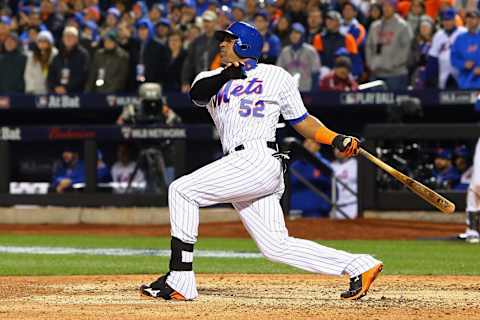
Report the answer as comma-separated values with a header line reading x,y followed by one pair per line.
x,y
246,296
240,297
322,229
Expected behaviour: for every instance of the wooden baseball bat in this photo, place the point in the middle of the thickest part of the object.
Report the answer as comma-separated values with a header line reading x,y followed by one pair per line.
x,y
438,201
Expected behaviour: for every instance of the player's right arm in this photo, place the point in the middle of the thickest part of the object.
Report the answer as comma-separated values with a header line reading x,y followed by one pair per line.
x,y
294,111
208,83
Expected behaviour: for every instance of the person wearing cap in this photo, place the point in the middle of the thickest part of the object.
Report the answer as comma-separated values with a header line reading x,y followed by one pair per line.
x,y
463,162
440,72
5,25
340,78
38,63
239,12
90,37
465,53
155,13
389,37
112,19
446,175
202,52
331,40
162,28
12,64
108,71
149,58
301,60
69,69
271,43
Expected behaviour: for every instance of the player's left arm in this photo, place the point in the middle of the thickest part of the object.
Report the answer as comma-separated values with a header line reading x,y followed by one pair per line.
x,y
312,128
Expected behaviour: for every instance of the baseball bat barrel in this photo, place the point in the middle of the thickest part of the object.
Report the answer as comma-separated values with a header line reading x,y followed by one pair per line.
x,y
438,201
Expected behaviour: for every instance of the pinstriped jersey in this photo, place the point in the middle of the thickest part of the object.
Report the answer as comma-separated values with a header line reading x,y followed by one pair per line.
x,y
249,109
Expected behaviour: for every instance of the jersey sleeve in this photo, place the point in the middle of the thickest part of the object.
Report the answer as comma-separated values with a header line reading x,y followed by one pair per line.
x,y
436,44
202,75
291,104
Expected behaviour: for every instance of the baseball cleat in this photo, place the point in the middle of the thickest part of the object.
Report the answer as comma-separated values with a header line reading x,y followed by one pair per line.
x,y
160,289
359,285
473,239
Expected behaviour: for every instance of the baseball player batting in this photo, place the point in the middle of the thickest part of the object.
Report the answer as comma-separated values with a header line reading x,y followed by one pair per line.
x,y
245,100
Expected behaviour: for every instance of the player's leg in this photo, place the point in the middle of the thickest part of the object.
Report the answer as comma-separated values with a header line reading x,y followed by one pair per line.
x,y
241,176
263,219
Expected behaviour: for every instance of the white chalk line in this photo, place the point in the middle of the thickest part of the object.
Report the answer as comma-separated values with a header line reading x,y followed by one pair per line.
x,y
123,252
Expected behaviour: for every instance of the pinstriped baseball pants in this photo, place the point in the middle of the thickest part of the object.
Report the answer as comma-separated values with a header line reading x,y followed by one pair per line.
x,y
252,181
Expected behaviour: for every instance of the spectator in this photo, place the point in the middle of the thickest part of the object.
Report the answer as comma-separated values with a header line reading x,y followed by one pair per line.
x,y
92,13
69,171
446,175
109,69
345,170
440,72
177,58
387,38
465,53
375,13
340,78
69,69
162,29
38,63
193,33
12,64
283,29
123,169
140,11
76,20
5,24
251,9
150,56
155,13
296,10
239,11
416,15
52,20
111,21
350,25
314,24
463,164
187,19
304,200
90,37
103,172
301,60
271,43
202,52
225,17
417,62
331,40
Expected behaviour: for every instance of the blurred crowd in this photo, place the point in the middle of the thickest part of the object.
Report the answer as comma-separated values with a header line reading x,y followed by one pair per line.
x,y
67,46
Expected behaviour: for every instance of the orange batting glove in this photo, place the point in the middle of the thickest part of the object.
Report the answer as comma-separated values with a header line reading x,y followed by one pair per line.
x,y
348,145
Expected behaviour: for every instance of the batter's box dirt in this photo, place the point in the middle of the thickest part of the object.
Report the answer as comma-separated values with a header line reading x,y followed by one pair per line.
x,y
233,296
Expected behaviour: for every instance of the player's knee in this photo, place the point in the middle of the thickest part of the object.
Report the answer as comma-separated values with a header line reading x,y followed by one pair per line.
x,y
275,250
178,187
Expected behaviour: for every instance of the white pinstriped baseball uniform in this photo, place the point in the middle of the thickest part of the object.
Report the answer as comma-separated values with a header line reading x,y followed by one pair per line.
x,y
246,112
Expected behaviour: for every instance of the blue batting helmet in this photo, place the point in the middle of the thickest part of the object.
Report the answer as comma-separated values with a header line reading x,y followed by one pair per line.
x,y
249,42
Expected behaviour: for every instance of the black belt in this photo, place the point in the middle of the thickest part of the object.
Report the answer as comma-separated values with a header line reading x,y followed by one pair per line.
x,y
271,144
